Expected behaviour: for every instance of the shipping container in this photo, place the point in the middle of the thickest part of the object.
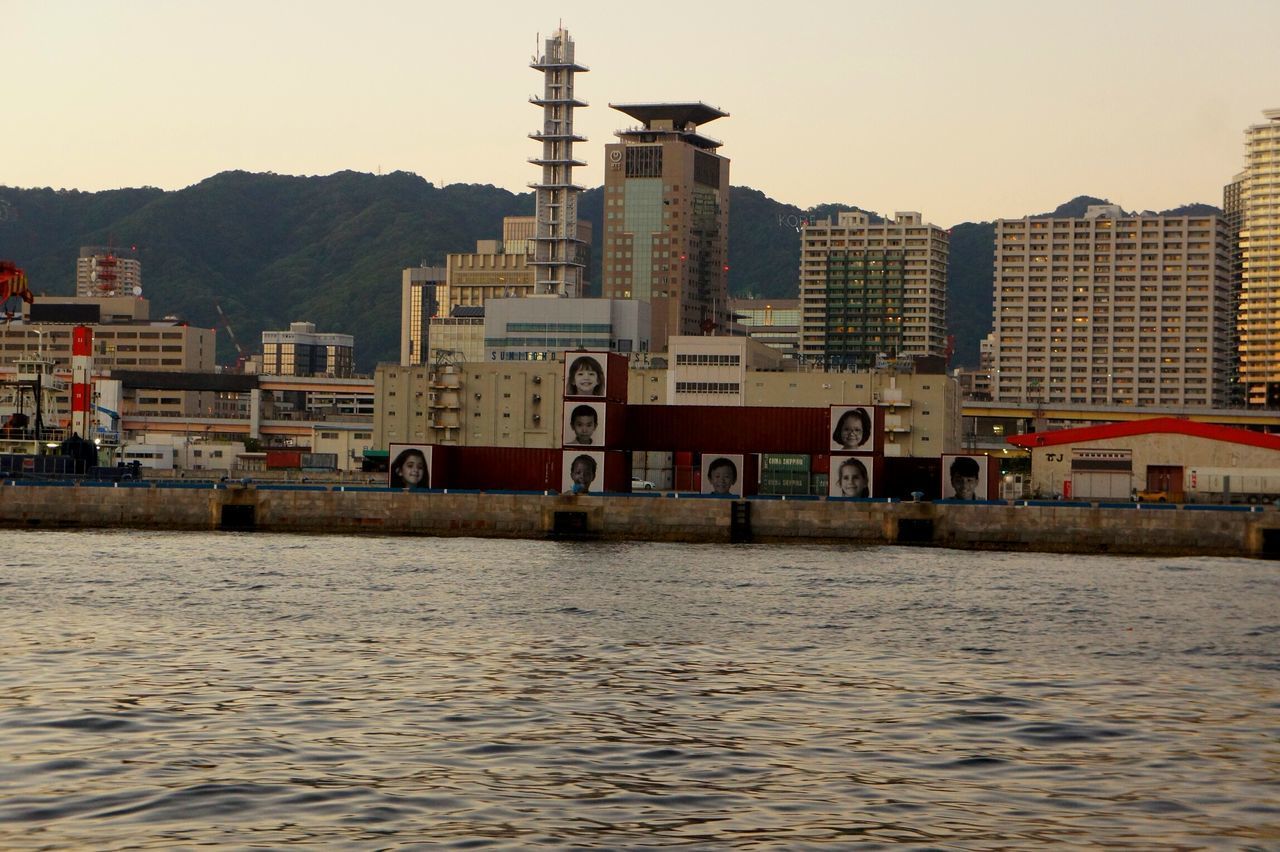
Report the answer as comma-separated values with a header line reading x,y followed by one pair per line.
x,y
659,459
496,468
663,478
284,459
319,461
1232,484
784,482
905,476
729,430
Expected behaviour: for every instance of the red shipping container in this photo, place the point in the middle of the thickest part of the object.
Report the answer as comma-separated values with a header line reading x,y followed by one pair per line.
x,y
803,431
284,459
496,468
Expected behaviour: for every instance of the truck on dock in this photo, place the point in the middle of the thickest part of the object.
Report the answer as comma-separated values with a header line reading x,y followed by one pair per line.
x,y
1232,485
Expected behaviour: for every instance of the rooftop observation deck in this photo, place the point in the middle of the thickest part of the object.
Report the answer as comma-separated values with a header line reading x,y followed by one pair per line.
x,y
680,114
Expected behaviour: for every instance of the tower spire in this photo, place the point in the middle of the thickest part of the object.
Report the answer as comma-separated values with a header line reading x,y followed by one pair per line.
x,y
559,259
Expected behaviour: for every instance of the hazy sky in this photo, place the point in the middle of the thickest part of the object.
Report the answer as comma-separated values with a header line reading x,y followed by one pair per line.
x,y
963,111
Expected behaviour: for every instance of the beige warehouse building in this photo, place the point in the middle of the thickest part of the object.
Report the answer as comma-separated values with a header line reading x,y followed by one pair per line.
x,y
1162,454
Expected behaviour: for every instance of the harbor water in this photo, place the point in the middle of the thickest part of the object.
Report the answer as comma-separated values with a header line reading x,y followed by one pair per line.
x,y
177,690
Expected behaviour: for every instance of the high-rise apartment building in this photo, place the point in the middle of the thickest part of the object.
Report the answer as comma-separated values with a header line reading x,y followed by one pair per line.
x,y
559,255
666,219
1233,217
1259,320
1111,309
872,291
108,271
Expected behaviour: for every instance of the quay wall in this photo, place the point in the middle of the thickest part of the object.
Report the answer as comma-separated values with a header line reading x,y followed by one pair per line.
x,y
1021,526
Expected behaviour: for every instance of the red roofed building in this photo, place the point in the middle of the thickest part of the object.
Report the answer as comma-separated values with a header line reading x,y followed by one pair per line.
x,y
1163,454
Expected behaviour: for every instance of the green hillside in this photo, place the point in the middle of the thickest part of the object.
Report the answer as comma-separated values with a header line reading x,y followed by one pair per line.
x,y
274,249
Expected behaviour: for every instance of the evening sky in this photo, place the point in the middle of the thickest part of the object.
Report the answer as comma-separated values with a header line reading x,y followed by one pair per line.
x,y
963,111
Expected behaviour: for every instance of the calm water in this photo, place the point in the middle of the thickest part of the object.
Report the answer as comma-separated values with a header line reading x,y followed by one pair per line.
x,y
183,690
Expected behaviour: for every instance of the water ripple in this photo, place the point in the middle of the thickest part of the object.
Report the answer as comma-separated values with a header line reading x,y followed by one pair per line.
x,y
256,691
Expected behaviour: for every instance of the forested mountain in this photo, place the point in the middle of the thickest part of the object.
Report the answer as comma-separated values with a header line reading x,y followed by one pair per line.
x,y
274,249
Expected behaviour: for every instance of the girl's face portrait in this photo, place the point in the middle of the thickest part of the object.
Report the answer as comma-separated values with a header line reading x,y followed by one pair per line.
x,y
586,379
413,470
850,431
852,481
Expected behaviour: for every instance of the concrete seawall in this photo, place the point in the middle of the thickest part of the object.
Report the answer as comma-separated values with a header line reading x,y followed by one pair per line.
x,y
1024,526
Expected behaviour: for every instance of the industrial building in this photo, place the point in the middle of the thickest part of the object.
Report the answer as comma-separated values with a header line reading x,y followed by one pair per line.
x,y
517,403
1166,459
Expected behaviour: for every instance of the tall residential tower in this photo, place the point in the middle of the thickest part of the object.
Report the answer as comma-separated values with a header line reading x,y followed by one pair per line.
x,y
1112,309
559,255
666,219
1259,321
872,291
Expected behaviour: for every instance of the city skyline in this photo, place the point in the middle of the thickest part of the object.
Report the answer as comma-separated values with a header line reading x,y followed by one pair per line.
x,y
959,111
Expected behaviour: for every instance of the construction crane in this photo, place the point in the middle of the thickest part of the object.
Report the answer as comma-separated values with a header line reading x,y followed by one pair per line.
x,y
241,355
13,284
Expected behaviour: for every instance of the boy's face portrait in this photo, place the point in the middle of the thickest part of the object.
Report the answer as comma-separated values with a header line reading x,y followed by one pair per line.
x,y
722,478
584,426
581,473
966,486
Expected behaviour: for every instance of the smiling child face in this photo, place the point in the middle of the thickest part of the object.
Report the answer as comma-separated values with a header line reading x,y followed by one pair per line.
x,y
850,432
586,378
722,479
852,481
413,470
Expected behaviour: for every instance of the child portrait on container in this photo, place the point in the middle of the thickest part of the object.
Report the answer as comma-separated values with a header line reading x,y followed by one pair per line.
x,y
723,475
582,472
409,470
586,377
853,479
964,478
583,422
852,429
